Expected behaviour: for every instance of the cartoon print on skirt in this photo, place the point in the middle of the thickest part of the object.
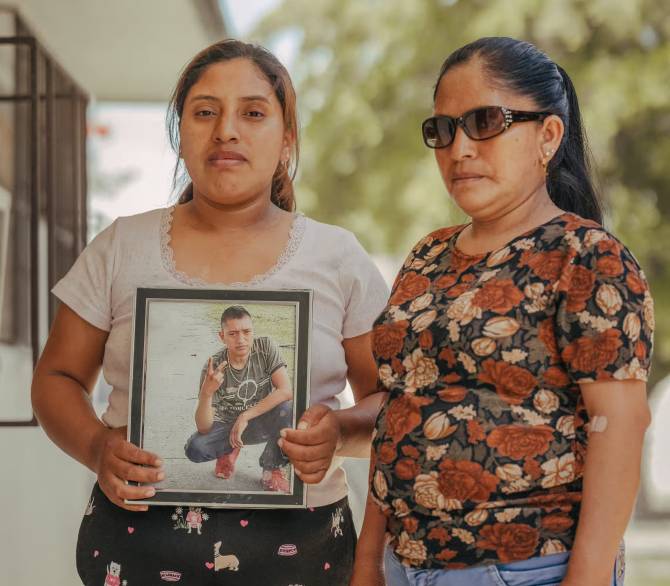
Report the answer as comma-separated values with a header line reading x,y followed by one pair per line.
x,y
194,519
234,547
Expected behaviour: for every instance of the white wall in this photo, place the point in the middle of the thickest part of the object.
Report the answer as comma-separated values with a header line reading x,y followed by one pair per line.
x,y
43,494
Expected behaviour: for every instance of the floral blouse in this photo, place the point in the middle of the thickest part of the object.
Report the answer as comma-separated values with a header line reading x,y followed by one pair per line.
x,y
478,453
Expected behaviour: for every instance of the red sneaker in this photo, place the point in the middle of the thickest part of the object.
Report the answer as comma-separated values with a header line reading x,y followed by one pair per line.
x,y
276,480
225,465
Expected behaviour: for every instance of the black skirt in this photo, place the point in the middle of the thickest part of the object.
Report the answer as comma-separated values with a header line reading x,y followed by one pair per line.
x,y
201,546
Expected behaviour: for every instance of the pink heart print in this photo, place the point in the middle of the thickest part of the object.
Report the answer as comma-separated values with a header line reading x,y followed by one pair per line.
x,y
131,530
244,522
326,566
96,553
209,565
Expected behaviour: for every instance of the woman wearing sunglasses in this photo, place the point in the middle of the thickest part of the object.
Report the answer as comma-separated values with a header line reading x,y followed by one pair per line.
x,y
515,349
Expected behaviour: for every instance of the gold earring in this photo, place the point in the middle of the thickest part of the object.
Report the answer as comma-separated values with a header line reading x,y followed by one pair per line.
x,y
545,162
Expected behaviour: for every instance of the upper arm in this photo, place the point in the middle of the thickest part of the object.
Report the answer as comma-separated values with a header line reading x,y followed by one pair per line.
x,y
75,349
625,399
361,366
280,378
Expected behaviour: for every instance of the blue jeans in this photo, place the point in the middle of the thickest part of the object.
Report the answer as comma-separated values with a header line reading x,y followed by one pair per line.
x,y
540,571
264,428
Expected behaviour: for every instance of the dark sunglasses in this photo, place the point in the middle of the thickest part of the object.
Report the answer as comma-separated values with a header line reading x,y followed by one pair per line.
x,y
478,124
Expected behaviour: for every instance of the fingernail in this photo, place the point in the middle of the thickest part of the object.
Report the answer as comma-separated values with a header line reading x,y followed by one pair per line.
x,y
282,433
144,509
280,442
158,462
303,425
160,476
150,492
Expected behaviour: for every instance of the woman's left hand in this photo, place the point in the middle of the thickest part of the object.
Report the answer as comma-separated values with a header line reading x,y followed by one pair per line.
x,y
313,444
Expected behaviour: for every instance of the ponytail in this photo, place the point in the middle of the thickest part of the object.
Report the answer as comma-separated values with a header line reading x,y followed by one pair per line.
x,y
569,181
527,71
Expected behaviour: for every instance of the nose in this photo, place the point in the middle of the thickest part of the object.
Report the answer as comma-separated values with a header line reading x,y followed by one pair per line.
x,y
463,147
226,129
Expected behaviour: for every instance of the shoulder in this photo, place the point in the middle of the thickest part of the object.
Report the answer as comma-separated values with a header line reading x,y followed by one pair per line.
x,y
330,233
264,343
432,244
591,242
138,223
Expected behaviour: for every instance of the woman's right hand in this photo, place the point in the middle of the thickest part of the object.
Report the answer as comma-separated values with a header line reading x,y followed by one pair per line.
x,y
117,460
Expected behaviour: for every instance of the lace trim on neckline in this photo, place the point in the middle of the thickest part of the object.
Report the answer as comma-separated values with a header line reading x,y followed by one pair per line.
x,y
168,259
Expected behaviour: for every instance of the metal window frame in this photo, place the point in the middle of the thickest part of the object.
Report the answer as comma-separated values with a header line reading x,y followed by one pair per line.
x,y
43,184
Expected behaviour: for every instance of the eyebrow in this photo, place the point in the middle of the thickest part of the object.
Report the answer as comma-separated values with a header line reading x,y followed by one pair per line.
x,y
208,98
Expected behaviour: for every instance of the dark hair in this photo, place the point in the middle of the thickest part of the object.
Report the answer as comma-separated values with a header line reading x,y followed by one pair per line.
x,y
234,312
522,68
281,191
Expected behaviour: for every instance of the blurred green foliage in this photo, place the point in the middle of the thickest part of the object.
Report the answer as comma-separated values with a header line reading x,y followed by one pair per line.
x,y
365,72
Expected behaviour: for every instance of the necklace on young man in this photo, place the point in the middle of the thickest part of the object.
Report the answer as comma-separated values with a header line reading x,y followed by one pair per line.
x,y
245,376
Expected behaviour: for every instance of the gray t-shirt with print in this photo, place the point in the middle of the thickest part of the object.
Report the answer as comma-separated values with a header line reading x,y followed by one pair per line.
x,y
242,388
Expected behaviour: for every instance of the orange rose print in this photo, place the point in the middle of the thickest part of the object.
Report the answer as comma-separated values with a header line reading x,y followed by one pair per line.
x,y
411,285
546,265
587,354
465,481
512,383
498,296
609,266
520,441
388,339
512,541
403,415
581,287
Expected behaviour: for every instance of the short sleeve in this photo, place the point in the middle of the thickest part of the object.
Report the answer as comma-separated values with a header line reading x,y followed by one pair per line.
x,y
272,355
364,289
605,313
86,288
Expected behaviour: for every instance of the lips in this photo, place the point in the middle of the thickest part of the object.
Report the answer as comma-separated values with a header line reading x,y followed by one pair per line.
x,y
466,176
226,159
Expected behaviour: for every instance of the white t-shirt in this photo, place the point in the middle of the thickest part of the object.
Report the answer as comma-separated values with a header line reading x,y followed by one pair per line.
x,y
349,293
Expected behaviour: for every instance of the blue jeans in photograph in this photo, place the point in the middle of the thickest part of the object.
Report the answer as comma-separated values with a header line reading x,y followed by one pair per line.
x,y
264,428
539,571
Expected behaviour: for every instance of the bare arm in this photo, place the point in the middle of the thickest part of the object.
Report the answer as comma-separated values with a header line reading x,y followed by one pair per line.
x,y
611,477
369,560
62,384
357,422
282,392
204,412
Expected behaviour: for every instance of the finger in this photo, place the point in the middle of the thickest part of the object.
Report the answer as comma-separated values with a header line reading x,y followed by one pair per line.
x,y
303,453
142,474
210,370
131,453
116,491
311,478
221,367
316,435
307,467
312,416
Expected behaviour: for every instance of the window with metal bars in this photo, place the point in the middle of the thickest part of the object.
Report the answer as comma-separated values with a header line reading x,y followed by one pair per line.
x,y
42,202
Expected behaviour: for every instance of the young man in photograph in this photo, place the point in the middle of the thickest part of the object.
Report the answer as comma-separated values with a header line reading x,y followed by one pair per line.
x,y
245,398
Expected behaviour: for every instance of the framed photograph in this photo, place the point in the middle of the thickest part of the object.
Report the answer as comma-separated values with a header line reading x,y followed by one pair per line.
x,y
215,376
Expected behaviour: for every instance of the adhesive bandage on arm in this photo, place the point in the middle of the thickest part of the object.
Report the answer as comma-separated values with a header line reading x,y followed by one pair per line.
x,y
597,423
